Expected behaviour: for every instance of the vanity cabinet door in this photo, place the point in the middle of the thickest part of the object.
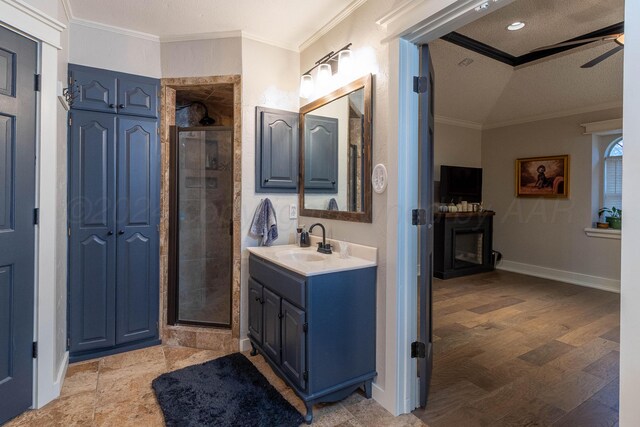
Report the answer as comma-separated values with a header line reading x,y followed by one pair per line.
x,y
271,325
293,343
255,310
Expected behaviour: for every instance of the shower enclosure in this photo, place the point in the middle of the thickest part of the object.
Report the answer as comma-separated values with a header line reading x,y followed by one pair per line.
x,y
201,224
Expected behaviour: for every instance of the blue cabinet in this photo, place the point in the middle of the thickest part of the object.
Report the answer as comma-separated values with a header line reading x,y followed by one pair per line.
x,y
113,92
317,332
277,137
113,214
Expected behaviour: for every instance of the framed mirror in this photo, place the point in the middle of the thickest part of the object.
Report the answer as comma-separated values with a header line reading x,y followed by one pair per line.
x,y
335,154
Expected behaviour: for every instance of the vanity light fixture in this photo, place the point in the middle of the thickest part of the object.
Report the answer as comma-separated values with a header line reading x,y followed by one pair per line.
x,y
515,26
324,74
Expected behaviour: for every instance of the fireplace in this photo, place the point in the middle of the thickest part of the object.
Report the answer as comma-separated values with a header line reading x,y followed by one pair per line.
x,y
462,243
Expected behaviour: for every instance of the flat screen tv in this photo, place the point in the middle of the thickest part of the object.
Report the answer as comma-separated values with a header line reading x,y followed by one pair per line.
x,y
460,183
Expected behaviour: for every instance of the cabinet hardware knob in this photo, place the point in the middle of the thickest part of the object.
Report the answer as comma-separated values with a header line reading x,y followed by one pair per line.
x,y
333,183
121,106
112,106
260,300
280,315
110,233
121,232
266,180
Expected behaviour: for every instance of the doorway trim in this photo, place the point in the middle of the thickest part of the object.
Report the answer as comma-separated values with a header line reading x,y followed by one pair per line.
x,y
195,336
46,31
412,24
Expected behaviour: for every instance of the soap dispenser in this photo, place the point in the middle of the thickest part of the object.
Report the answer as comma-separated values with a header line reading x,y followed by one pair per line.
x,y
305,241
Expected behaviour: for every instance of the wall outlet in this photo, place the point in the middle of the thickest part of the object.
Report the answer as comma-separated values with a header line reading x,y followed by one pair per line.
x,y
293,211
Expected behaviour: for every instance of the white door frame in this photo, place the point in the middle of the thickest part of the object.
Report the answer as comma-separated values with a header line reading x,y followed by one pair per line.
x,y
415,23
32,23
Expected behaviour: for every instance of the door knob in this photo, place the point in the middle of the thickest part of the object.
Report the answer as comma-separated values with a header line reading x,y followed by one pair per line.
x,y
121,232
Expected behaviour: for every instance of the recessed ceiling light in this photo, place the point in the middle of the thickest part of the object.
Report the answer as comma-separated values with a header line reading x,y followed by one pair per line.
x,y
518,25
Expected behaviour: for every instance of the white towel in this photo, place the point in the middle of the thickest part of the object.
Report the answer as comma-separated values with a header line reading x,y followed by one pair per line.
x,y
265,224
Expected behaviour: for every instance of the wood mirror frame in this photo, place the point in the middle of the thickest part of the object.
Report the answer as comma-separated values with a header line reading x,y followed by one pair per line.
x,y
365,215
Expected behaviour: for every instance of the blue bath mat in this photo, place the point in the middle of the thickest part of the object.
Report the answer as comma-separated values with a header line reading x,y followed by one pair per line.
x,y
228,391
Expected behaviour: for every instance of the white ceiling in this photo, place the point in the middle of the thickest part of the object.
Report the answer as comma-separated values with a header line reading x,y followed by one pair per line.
x,y
488,92
281,22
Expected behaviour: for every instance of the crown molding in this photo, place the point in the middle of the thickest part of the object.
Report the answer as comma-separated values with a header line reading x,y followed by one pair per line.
x,y
397,12
269,42
604,127
200,36
37,14
114,29
68,13
341,16
458,122
554,115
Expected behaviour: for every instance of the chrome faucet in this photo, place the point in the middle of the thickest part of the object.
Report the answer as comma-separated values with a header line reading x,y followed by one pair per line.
x,y
323,247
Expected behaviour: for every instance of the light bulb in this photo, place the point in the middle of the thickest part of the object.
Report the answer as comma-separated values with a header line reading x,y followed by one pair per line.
x,y
345,63
324,78
306,86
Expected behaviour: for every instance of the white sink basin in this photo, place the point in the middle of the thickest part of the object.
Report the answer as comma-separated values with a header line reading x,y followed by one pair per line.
x,y
301,256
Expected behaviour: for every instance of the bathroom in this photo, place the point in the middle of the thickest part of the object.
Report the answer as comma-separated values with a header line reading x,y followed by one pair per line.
x,y
225,73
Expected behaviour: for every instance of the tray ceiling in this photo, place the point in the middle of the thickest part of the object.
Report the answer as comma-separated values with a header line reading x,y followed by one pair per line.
x,y
489,92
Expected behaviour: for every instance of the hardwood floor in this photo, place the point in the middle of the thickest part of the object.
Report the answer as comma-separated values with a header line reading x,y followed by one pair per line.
x,y
514,350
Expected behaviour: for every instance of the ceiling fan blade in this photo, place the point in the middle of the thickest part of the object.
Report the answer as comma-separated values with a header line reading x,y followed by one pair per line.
x,y
609,37
602,57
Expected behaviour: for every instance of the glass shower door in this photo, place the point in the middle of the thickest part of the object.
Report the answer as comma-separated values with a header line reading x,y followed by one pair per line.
x,y
203,206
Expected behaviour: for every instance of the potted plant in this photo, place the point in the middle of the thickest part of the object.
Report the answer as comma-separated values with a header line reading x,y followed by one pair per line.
x,y
614,217
602,222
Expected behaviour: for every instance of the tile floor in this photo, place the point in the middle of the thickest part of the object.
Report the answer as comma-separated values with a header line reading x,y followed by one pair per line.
x,y
116,391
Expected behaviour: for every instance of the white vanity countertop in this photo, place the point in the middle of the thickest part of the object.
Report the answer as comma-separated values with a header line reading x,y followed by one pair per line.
x,y
309,262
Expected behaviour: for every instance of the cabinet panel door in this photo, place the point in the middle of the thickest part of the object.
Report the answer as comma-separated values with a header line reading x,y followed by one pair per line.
x,y
95,89
321,154
137,96
137,219
92,246
271,324
255,310
293,343
276,150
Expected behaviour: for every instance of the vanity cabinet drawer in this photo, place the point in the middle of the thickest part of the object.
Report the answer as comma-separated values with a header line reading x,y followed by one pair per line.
x,y
288,286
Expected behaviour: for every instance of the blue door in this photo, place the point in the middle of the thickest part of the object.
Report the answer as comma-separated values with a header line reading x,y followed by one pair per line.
x,y
138,219
17,201
92,240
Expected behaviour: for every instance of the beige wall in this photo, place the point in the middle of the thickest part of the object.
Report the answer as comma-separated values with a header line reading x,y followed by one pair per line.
x,y
113,51
217,57
61,190
273,86
456,146
360,28
547,232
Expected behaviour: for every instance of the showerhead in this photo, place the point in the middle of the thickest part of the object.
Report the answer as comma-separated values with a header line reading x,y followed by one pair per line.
x,y
205,120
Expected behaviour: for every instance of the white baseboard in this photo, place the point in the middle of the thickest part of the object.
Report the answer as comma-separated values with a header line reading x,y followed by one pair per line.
x,y
580,279
62,373
245,344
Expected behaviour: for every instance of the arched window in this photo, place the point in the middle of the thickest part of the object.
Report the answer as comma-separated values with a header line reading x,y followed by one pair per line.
x,y
612,196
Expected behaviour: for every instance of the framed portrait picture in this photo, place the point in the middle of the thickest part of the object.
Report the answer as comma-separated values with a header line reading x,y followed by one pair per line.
x,y
543,176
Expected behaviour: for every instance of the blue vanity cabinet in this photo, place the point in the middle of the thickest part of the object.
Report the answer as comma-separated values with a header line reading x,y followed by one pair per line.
x,y
318,332
277,136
